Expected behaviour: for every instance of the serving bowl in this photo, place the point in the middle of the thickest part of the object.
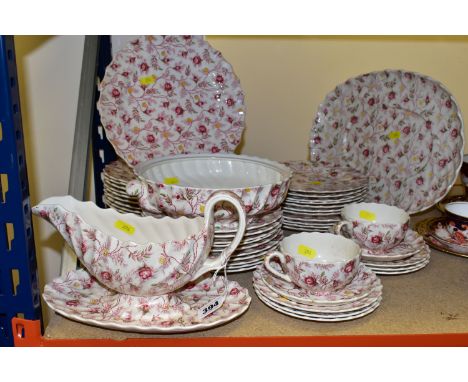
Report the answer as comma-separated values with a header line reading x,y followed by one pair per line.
x,y
180,185
140,256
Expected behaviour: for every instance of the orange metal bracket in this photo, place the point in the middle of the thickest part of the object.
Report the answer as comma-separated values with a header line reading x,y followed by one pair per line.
x,y
27,333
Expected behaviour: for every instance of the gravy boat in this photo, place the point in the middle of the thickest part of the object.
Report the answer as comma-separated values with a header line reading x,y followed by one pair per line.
x,y
140,256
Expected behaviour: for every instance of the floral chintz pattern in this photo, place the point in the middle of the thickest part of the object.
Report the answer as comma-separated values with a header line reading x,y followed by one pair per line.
x,y
321,278
402,129
125,266
310,178
166,95
359,287
176,200
378,236
375,294
79,296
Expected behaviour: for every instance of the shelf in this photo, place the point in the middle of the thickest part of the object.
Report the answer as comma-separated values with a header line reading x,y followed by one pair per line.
x,y
428,307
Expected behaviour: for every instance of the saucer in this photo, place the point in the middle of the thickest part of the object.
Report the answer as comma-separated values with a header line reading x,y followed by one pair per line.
x,y
374,295
411,245
420,257
401,271
80,297
359,288
400,267
315,317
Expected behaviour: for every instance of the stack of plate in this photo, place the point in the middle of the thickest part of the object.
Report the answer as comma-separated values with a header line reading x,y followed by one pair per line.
x,y
358,299
262,235
409,256
115,176
317,195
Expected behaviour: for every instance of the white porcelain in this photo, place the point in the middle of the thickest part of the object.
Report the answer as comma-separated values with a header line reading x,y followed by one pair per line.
x,y
181,185
79,297
137,255
458,210
319,262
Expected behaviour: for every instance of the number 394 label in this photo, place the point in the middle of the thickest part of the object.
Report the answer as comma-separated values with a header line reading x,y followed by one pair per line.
x,y
211,307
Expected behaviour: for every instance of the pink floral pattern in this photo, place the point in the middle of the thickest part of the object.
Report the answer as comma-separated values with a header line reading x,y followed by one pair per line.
x,y
402,129
80,297
422,255
166,95
377,236
317,277
374,295
128,267
177,201
308,177
358,288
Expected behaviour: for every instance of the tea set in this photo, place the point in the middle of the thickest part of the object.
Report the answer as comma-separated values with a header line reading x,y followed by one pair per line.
x,y
185,211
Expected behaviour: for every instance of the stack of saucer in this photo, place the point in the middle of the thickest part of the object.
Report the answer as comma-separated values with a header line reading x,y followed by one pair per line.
x,y
358,299
115,176
411,255
317,194
262,235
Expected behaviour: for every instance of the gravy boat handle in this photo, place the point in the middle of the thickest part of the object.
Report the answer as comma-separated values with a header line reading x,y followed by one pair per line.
x,y
222,259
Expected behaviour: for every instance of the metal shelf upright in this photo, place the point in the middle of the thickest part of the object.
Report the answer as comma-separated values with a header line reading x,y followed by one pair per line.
x,y
19,292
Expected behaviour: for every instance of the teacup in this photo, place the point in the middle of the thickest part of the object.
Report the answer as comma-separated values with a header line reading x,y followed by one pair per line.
x,y
319,262
377,227
140,256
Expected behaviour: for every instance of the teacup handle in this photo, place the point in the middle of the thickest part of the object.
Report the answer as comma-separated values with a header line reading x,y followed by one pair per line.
x,y
219,261
139,189
338,227
282,259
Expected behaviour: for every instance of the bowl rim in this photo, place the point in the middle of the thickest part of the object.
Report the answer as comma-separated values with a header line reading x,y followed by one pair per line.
x,y
357,248
379,205
284,172
447,206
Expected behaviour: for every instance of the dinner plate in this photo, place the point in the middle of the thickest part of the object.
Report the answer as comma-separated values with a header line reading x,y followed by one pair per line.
x,y
402,129
319,179
166,95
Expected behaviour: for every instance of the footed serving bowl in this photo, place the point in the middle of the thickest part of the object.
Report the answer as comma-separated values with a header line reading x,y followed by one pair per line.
x,y
181,185
140,256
